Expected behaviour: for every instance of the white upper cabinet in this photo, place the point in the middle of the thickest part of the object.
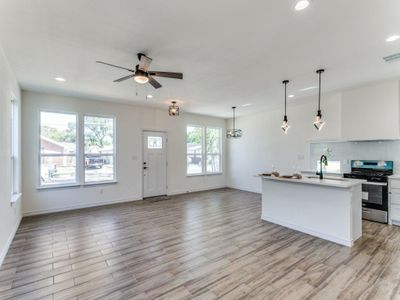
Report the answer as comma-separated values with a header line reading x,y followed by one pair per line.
x,y
371,112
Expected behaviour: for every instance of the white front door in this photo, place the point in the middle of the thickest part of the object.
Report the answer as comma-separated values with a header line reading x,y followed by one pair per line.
x,y
154,163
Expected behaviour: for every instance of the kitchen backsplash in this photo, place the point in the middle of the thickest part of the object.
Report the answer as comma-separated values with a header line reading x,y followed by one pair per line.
x,y
346,151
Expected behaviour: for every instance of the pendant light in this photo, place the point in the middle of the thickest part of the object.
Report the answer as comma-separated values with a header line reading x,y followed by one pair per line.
x,y
173,110
319,123
233,133
285,126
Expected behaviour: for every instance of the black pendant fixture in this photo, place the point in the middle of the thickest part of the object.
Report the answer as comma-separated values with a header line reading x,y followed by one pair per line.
x,y
173,109
233,133
319,123
285,126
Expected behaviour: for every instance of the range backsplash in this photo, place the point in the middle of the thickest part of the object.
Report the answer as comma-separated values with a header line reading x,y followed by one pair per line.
x,y
346,151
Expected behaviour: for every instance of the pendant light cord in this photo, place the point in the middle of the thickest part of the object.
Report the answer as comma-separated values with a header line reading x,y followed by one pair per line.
x,y
285,95
234,117
319,92
319,88
285,82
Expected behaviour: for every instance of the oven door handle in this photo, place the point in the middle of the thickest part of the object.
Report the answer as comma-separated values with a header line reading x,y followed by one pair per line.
x,y
375,183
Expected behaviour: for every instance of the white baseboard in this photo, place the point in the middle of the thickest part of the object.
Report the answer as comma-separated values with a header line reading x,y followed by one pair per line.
x,y
243,189
180,192
348,243
85,205
7,245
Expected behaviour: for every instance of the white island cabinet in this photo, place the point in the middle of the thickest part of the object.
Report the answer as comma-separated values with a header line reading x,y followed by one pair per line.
x,y
329,209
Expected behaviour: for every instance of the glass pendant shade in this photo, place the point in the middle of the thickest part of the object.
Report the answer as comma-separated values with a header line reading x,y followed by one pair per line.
x,y
319,123
285,126
173,110
233,133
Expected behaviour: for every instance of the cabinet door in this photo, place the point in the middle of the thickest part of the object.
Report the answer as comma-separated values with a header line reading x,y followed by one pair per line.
x,y
371,112
395,212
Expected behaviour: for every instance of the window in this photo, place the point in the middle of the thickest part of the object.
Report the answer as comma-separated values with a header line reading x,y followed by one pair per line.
x,y
194,150
14,151
154,142
213,146
332,167
203,162
99,149
58,148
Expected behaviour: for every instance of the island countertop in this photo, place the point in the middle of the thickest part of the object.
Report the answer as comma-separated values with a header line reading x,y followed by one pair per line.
x,y
344,183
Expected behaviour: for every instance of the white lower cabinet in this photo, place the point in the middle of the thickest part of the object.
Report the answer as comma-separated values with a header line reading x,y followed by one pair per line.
x,y
394,200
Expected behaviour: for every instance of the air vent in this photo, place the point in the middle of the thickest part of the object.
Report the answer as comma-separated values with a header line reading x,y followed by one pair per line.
x,y
392,58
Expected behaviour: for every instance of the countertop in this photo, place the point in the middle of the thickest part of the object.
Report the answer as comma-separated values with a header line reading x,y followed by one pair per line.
x,y
344,183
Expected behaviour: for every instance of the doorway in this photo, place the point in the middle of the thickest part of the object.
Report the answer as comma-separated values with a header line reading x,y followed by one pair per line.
x,y
154,163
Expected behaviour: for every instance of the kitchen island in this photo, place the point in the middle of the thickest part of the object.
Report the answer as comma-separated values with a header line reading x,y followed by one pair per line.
x,y
329,208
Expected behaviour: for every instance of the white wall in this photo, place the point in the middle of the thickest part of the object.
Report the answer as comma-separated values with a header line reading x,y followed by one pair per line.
x,y
10,215
130,121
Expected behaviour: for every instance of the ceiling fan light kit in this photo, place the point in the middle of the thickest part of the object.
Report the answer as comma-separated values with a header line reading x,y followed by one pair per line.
x,y
233,133
142,74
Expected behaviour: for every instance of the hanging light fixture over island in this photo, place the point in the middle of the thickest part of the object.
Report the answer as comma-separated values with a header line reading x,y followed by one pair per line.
x,y
285,126
233,133
319,123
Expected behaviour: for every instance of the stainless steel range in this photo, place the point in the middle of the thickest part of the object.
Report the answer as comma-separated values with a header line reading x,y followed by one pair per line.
x,y
375,192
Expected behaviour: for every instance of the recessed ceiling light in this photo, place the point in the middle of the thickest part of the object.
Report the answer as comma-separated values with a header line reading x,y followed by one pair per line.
x,y
302,4
393,38
59,79
247,104
291,96
308,89
149,96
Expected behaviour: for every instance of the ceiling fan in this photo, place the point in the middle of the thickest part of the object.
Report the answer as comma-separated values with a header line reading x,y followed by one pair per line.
x,y
142,74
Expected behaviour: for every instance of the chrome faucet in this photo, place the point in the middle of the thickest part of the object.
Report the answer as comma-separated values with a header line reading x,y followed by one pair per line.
x,y
322,162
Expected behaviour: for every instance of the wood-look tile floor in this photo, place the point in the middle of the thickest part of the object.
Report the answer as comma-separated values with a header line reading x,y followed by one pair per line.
x,y
205,245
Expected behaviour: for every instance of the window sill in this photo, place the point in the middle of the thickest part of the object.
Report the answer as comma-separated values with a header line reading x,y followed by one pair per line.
x,y
207,174
15,198
55,187
66,186
87,184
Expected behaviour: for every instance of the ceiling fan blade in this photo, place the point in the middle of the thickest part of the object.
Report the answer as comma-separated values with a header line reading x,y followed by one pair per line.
x,y
166,74
111,65
154,83
124,78
144,62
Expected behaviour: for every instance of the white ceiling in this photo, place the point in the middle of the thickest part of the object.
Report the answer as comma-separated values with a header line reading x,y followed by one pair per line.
x,y
231,52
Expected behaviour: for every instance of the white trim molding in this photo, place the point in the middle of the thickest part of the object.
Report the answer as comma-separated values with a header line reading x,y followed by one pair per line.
x,y
7,245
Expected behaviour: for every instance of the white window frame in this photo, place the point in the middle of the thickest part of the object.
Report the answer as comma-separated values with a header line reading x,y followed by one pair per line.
x,y
213,154
76,155
14,150
114,154
204,153
327,169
